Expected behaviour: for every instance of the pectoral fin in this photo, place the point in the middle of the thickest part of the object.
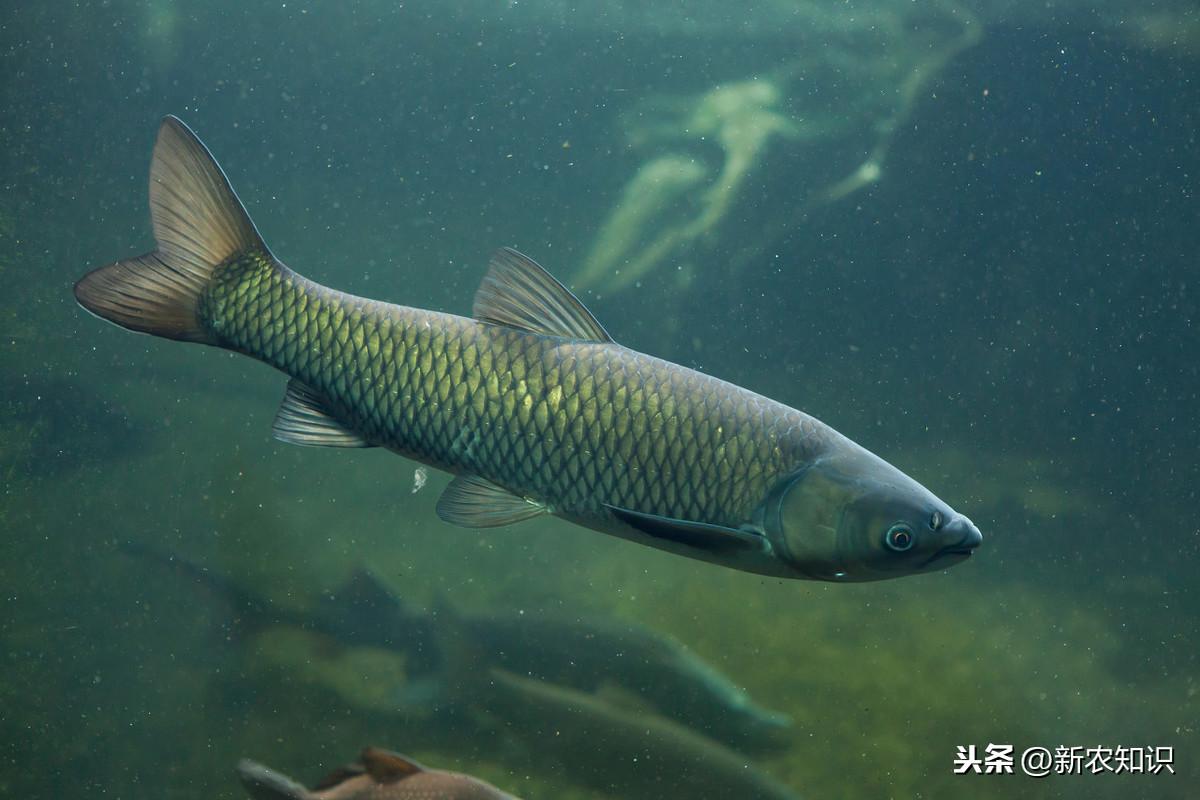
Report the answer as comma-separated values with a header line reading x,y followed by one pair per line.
x,y
474,502
304,419
701,535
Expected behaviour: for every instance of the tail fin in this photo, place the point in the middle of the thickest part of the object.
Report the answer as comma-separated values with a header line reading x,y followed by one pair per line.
x,y
199,224
264,783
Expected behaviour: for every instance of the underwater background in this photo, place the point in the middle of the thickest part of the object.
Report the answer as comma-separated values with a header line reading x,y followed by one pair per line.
x,y
966,236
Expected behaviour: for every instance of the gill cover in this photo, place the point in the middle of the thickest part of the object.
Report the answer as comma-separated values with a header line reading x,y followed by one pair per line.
x,y
801,517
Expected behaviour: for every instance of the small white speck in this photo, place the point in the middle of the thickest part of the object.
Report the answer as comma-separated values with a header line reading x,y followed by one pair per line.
x,y
420,476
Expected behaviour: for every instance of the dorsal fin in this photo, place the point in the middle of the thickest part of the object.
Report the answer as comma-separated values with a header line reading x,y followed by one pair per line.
x,y
519,293
388,767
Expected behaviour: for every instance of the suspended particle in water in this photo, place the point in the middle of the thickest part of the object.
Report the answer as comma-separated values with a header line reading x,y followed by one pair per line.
x,y
420,476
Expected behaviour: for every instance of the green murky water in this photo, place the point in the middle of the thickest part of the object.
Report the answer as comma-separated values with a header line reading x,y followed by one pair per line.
x,y
964,236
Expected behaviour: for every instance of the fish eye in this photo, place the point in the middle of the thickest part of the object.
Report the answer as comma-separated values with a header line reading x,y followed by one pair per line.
x,y
935,521
899,537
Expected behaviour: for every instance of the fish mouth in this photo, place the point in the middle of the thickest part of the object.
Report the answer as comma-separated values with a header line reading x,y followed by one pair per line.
x,y
959,552
964,547
955,552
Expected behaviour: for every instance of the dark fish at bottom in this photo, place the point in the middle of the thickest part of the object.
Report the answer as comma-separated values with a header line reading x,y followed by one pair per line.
x,y
531,404
378,775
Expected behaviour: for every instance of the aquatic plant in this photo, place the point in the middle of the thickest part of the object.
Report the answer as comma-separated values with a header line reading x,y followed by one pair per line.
x,y
876,65
741,118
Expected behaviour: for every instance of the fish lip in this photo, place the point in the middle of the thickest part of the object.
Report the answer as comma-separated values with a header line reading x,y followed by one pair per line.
x,y
958,549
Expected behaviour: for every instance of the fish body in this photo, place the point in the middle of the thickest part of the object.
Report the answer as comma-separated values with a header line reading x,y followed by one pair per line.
x,y
379,775
574,427
577,427
531,404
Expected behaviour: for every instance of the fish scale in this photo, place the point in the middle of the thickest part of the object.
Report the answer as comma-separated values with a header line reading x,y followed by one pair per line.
x,y
571,424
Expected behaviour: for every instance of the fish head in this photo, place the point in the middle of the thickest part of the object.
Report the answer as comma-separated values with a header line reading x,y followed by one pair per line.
x,y
851,516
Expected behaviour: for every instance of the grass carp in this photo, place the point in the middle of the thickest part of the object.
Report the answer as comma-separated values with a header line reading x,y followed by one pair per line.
x,y
530,404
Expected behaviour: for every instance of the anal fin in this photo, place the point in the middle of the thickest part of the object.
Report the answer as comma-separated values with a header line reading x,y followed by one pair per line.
x,y
303,419
474,502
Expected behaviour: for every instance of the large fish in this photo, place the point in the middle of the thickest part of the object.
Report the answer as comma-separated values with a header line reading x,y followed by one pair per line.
x,y
378,775
531,404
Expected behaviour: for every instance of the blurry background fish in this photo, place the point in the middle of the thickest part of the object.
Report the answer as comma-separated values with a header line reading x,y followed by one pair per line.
x,y
619,658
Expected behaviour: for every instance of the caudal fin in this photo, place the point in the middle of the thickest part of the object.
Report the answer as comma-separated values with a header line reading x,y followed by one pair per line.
x,y
199,224
263,783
